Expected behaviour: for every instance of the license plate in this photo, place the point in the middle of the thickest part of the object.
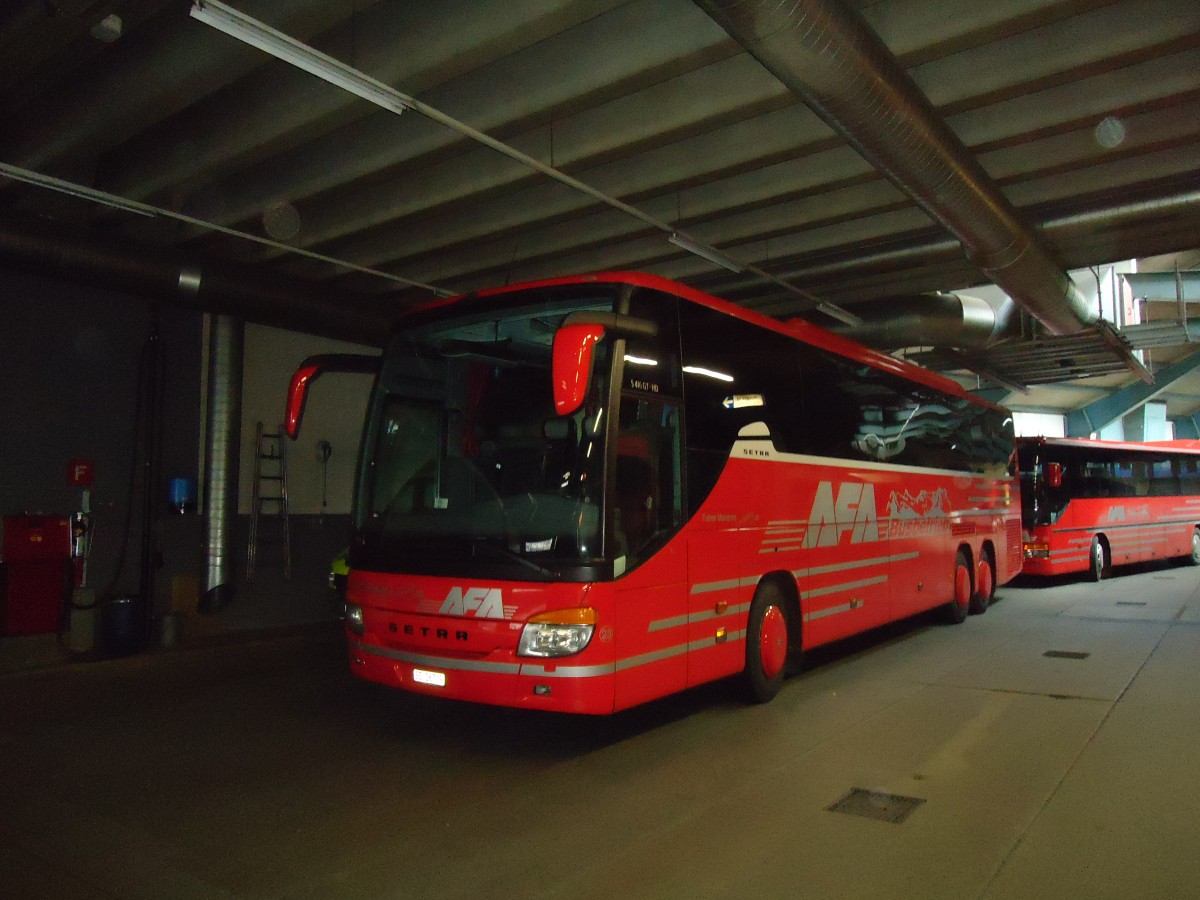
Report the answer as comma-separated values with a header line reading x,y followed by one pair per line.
x,y
424,676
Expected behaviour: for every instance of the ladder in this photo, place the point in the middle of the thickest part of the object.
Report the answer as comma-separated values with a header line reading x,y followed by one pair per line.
x,y
270,472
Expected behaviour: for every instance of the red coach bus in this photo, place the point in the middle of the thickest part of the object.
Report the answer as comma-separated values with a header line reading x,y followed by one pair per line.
x,y
582,494
1089,505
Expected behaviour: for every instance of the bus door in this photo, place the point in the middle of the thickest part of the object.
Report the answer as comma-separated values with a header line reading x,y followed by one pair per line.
x,y
651,567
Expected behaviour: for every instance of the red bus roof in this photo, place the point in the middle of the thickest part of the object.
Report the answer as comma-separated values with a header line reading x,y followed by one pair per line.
x,y
1179,446
796,328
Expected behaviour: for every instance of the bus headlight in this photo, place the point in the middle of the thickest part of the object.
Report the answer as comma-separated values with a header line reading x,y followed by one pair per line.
x,y
560,633
1037,551
354,618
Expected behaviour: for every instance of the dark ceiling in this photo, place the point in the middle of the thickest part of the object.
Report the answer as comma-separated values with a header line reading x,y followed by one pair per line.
x,y
1085,114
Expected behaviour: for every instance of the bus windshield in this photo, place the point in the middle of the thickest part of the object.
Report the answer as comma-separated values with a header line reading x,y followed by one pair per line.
x,y
467,467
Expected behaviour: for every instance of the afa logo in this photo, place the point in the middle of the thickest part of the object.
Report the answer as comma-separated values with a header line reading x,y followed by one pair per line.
x,y
852,512
483,603
1121,513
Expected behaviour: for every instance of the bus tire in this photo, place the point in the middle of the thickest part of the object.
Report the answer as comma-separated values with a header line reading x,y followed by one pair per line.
x,y
1194,559
985,583
956,610
766,644
1098,563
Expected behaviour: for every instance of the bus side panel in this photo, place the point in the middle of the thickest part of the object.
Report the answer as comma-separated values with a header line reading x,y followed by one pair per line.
x,y
1149,528
839,553
649,628
923,532
724,565
718,602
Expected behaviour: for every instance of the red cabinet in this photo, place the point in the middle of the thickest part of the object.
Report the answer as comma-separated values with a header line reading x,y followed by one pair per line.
x,y
37,561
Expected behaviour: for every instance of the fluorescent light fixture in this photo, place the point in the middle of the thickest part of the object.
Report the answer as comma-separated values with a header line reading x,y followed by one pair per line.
x,y
704,251
641,361
83,192
16,173
836,312
257,34
276,43
707,373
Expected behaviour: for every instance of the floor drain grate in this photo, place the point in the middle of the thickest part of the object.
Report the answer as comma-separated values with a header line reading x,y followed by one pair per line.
x,y
1131,603
1066,654
876,805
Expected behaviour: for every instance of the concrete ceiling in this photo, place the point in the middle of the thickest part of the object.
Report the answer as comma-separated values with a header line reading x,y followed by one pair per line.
x,y
1084,113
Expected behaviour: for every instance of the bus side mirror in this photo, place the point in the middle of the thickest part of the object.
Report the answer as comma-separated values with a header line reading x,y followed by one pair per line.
x,y
574,351
308,372
1054,475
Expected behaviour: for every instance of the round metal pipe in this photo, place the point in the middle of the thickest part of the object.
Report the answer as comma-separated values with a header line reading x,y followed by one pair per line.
x,y
923,320
223,427
831,59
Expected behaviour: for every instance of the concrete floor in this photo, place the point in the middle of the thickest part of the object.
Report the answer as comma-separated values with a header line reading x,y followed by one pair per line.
x,y
262,769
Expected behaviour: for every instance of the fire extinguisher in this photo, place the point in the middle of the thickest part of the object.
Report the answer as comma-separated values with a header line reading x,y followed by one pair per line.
x,y
81,541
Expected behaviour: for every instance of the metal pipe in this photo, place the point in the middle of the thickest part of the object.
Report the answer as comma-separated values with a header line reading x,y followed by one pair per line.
x,y
831,59
222,438
924,320
32,245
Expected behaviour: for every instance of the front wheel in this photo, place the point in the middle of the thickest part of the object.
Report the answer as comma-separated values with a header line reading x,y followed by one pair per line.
x,y
766,644
1195,557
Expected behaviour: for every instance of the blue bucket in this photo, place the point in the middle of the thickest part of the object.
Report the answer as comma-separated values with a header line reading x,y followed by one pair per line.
x,y
183,494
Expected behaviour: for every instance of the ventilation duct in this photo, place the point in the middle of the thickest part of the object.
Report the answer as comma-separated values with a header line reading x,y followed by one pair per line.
x,y
222,438
843,71
926,320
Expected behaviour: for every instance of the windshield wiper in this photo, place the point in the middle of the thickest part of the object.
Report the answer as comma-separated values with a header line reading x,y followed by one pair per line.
x,y
503,551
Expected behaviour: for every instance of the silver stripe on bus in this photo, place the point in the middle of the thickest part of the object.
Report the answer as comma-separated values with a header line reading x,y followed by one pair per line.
x,y
440,662
1068,555
653,656
709,586
624,665
1107,527
774,455
701,616
539,670
834,610
844,586
705,643
854,564
599,671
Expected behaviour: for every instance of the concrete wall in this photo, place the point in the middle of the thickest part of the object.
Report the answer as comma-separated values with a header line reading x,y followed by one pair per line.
x,y
335,410
69,357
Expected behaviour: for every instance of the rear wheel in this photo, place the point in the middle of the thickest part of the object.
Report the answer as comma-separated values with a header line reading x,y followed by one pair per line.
x,y
1195,557
766,643
956,610
1098,565
985,583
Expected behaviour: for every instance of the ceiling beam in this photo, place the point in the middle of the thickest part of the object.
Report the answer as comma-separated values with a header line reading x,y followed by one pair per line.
x,y
1095,416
